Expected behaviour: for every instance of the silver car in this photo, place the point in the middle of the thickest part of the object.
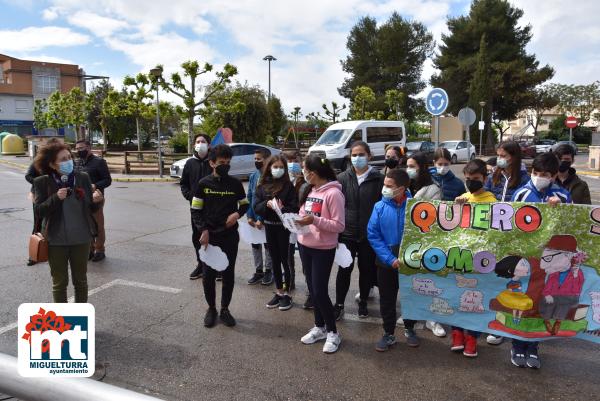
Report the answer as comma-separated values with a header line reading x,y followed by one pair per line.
x,y
242,164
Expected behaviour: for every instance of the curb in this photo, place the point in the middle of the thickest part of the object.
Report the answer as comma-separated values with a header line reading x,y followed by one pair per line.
x,y
13,164
116,179
589,173
144,179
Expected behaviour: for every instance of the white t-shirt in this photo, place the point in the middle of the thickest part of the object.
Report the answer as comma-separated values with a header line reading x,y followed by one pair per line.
x,y
361,178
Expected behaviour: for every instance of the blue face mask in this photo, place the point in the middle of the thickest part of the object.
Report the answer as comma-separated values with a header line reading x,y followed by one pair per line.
x,y
66,167
294,168
359,162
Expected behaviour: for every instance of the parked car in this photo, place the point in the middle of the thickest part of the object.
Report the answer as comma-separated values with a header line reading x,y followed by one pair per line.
x,y
242,164
544,145
334,144
528,149
425,147
557,144
459,150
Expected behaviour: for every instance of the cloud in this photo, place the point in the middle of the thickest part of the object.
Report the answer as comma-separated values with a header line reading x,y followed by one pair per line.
x,y
46,58
100,26
566,37
50,14
36,38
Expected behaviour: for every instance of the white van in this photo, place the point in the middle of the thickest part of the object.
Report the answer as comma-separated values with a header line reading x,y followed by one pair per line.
x,y
334,143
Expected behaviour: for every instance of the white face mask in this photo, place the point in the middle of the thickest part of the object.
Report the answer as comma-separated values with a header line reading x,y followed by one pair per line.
x,y
540,183
201,148
412,173
306,174
442,170
501,162
388,193
277,172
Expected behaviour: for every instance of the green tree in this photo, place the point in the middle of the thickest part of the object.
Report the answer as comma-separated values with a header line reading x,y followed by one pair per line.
x,y
334,113
189,94
390,56
96,116
577,100
480,90
57,111
75,108
395,100
139,91
40,117
513,73
120,124
277,118
363,103
542,100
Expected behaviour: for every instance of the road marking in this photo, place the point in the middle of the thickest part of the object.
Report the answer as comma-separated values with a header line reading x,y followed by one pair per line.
x,y
103,287
137,284
8,328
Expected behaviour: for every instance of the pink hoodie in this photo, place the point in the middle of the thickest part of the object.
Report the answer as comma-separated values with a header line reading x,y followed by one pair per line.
x,y
326,204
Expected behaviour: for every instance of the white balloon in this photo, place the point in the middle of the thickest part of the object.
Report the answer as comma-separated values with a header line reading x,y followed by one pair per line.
x,y
214,257
343,257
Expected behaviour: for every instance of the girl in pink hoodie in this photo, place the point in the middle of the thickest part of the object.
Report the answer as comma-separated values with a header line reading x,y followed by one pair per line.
x,y
322,209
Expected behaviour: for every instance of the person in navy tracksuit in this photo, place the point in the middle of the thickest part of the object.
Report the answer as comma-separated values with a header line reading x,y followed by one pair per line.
x,y
452,187
540,189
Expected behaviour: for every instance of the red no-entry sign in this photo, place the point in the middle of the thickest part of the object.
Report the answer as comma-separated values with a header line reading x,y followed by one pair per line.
x,y
571,122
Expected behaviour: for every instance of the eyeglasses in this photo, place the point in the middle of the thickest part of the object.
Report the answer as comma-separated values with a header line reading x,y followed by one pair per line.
x,y
548,258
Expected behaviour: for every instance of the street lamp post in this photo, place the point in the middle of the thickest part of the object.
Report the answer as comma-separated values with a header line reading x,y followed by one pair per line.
x,y
481,126
157,73
269,58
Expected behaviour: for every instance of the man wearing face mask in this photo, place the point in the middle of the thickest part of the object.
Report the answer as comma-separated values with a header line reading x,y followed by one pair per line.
x,y
568,178
195,169
97,169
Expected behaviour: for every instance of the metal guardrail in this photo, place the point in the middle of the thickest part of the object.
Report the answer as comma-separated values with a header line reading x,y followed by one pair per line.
x,y
63,389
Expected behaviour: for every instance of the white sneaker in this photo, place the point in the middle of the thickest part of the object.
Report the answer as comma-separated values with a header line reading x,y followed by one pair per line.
x,y
400,321
494,340
315,334
436,328
357,296
333,342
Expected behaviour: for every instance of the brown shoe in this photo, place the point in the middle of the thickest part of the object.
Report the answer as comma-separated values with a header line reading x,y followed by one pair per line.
x,y
556,327
548,326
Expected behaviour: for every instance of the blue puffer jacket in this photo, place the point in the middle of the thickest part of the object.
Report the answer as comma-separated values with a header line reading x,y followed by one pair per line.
x,y
450,184
252,183
501,191
386,228
529,193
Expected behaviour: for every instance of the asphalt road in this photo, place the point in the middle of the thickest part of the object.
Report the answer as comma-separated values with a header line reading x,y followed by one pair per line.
x,y
150,336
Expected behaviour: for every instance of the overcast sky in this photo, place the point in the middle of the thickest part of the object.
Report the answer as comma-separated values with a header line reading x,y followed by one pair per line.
x,y
308,38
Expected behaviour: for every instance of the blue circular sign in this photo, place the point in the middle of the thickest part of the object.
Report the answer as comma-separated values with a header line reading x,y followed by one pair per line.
x,y
437,101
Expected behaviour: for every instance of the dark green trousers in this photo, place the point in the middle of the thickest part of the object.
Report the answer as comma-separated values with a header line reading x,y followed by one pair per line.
x,y
59,259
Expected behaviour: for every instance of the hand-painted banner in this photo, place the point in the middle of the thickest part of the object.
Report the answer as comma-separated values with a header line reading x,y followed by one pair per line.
x,y
521,270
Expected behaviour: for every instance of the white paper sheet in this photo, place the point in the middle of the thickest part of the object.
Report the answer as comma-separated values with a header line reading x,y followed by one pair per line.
x,y
251,235
289,220
343,257
214,257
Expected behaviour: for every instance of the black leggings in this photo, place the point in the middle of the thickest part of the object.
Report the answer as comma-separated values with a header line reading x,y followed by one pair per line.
x,y
367,277
228,242
317,264
278,239
387,280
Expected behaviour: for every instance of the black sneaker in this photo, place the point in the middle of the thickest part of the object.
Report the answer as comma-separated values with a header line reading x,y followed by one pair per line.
x,y
308,304
268,278
98,256
197,273
30,262
285,302
219,276
363,312
226,318
256,278
274,302
210,318
338,311
91,255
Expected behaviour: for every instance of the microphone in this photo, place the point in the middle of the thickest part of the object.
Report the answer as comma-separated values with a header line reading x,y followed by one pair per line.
x,y
65,180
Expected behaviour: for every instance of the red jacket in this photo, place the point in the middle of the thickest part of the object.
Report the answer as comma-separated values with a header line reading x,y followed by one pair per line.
x,y
570,287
